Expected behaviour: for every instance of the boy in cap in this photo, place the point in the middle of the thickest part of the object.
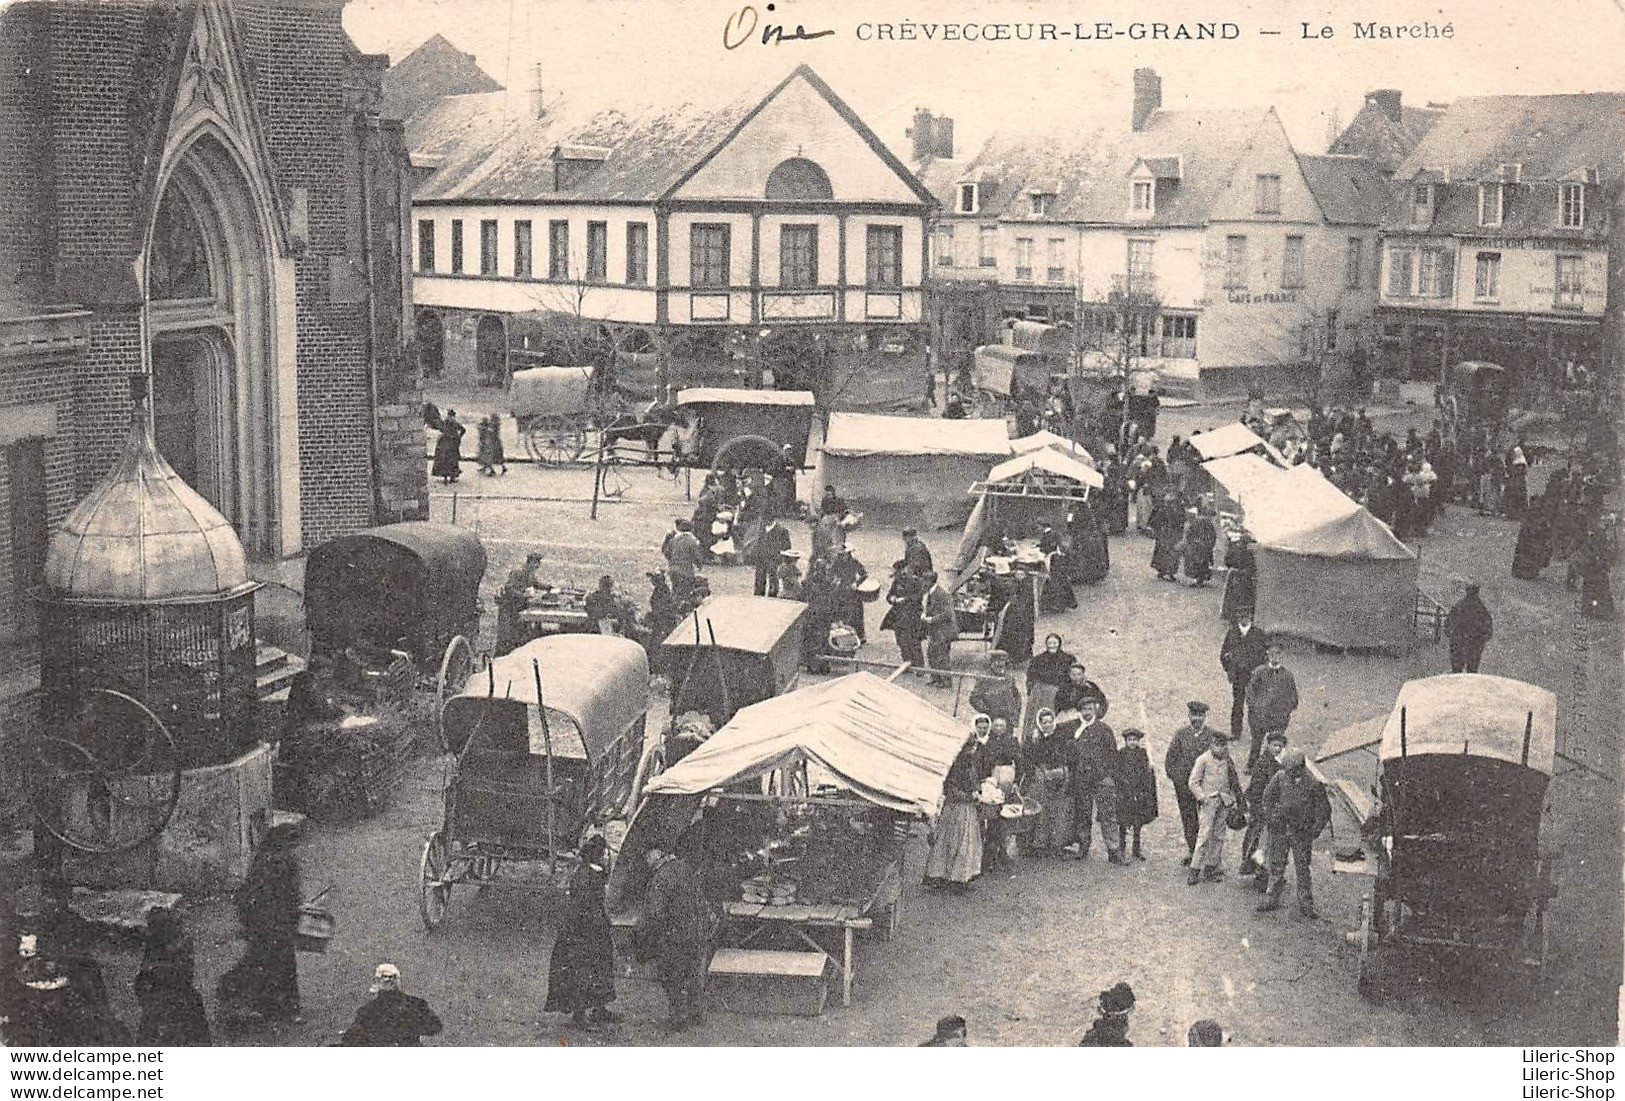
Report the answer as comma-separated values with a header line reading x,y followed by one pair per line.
x,y
1110,1028
1188,743
1136,790
1269,763
1214,783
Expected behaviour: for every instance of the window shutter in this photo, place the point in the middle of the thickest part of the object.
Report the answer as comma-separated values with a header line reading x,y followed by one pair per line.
x,y
1447,273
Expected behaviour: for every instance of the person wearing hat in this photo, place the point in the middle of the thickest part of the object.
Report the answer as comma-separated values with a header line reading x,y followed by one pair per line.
x,y
1217,788
1296,810
511,601
1136,790
905,601
1092,765
767,556
832,503
941,626
788,576
390,1017
1200,538
1188,743
1110,1027
581,968
1272,697
265,983
848,573
1244,649
683,554
1469,628
1269,763
916,555
951,1032
675,929
997,695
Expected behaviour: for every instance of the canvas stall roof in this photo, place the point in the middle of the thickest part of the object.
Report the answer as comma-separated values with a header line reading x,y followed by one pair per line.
x,y
1244,476
1302,513
555,390
1046,461
1005,353
749,624
1229,439
1045,438
600,681
699,395
880,740
1476,715
860,434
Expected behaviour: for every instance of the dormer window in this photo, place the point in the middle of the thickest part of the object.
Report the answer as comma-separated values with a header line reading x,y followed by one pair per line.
x,y
1422,204
1491,197
1043,204
969,199
1571,205
1143,198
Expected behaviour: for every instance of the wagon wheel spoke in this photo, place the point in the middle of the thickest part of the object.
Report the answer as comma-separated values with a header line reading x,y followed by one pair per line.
x,y
434,884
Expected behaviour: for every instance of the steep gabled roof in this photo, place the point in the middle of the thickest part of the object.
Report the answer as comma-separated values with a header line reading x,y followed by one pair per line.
x,y
1384,139
1552,137
492,147
1350,190
431,72
1090,157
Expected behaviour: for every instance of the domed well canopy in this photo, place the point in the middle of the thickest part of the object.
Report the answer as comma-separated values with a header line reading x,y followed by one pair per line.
x,y
142,535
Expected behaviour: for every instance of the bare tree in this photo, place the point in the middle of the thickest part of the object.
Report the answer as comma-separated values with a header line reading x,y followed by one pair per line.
x,y
570,331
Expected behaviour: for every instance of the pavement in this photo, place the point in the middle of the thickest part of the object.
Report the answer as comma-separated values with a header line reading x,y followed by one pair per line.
x,y
1021,956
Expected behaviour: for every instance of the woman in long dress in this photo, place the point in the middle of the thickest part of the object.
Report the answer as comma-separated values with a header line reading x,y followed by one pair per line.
x,y
955,859
448,449
1533,551
1091,555
1167,525
1045,784
1017,621
265,984
166,987
581,971
1200,536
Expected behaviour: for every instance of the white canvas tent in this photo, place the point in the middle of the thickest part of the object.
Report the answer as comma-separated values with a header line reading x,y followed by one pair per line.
x,y
1328,570
1036,488
1233,439
878,740
1241,476
1021,445
912,468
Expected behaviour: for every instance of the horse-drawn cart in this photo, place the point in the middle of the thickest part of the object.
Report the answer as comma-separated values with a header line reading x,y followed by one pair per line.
x,y
555,408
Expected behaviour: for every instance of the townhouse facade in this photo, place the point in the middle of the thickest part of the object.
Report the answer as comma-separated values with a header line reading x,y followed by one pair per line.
x,y
1197,243
773,240
1496,242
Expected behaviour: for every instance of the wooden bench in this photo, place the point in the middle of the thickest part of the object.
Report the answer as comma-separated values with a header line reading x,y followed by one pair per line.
x,y
750,980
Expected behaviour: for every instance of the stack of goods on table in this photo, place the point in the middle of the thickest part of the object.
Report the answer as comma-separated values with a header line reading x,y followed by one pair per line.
x,y
764,890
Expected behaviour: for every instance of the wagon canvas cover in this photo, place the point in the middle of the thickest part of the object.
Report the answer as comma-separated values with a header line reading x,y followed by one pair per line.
x,y
883,742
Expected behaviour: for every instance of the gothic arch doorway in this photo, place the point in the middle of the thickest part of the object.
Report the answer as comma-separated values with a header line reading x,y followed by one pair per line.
x,y
212,330
491,352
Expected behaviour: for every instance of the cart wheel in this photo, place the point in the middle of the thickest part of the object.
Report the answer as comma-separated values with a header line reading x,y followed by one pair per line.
x,y
763,446
557,444
434,886
1368,949
456,666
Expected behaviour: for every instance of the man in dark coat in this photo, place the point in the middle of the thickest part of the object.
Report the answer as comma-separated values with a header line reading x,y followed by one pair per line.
x,y
1296,809
675,929
1469,627
1200,537
997,696
1272,697
916,555
1093,765
941,626
1188,743
848,573
768,555
266,981
1167,524
308,703
392,1017
172,1012
511,601
906,599
1269,763
1243,650
581,969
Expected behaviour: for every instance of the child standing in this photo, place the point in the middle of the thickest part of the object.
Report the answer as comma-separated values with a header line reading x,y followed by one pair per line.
x,y
1136,789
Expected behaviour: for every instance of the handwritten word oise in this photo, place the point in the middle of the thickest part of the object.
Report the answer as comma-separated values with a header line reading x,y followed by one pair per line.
x,y
742,24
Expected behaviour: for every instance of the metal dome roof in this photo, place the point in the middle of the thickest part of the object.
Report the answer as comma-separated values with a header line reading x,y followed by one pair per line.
x,y
142,535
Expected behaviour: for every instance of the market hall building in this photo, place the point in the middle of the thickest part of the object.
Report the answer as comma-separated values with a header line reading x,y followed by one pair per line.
x,y
772,240
1496,243
205,192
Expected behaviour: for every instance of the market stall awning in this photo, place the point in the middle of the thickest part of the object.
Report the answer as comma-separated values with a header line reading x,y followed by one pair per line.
x,y
1045,438
1244,476
1045,461
1229,439
880,740
700,394
860,434
1301,512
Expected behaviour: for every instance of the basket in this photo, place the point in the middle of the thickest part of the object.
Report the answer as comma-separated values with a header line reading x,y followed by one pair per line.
x,y
315,928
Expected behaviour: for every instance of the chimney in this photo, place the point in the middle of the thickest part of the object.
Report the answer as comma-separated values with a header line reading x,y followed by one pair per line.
x,y
1147,95
923,134
944,143
1387,101
536,94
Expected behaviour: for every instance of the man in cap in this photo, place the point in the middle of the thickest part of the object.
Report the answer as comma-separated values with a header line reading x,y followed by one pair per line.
x,y
951,1032
1188,743
768,555
391,1018
1093,763
511,601
916,555
1110,1028
1243,650
1469,627
997,695
1272,697
1269,763
941,626
1217,788
848,573
1296,809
